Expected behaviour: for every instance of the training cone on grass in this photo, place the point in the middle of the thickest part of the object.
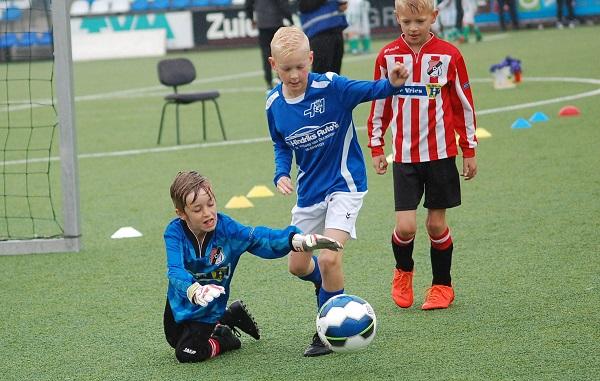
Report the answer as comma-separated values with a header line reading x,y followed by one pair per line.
x,y
521,123
482,133
539,117
126,232
569,111
259,191
238,202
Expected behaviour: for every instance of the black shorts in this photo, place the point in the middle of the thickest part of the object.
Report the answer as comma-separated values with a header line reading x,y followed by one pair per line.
x,y
189,339
439,179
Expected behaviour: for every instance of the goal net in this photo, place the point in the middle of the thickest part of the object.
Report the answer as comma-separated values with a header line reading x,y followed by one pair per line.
x,y
39,198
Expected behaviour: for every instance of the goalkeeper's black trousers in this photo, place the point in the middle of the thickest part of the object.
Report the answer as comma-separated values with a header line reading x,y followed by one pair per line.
x,y
193,341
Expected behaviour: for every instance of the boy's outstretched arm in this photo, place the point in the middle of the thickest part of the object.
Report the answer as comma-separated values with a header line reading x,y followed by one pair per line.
x,y
398,75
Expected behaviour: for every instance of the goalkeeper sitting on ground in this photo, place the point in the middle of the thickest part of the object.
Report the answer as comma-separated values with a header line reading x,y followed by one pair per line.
x,y
203,249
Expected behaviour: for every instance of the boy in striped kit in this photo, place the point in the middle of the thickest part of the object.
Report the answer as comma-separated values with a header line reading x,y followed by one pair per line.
x,y
435,103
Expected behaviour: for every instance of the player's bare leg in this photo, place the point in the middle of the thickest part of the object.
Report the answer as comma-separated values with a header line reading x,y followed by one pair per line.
x,y
330,265
300,263
402,245
441,293
330,262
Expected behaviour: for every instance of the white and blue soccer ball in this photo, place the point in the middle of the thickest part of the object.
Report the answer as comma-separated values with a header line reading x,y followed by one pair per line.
x,y
346,323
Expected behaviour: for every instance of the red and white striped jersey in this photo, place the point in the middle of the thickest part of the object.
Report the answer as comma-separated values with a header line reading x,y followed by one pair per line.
x,y
434,104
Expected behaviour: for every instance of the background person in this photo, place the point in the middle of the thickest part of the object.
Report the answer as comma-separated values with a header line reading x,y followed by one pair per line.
x,y
324,22
267,16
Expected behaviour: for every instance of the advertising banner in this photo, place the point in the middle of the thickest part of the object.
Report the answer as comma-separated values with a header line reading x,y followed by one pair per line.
x,y
177,26
223,27
532,11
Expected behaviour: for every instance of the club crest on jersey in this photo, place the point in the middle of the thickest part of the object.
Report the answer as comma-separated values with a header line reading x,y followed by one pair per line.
x,y
216,256
317,107
433,90
435,68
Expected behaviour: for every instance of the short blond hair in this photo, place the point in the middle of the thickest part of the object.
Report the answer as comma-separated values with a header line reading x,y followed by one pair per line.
x,y
415,6
289,39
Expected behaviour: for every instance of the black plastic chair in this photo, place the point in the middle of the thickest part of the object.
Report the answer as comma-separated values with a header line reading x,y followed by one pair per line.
x,y
180,71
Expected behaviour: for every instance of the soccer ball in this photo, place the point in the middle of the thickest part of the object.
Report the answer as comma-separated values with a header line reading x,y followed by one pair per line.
x,y
346,323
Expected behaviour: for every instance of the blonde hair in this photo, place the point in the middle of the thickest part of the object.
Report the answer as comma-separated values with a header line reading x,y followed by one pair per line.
x,y
186,183
415,6
289,39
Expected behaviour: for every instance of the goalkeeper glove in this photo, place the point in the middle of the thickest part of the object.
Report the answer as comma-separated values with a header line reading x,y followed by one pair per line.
x,y
310,242
202,295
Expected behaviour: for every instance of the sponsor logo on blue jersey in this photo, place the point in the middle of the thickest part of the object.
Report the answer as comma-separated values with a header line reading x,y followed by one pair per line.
x,y
218,275
310,137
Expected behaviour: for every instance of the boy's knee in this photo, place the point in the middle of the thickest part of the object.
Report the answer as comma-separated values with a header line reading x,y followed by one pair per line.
x,y
329,260
298,269
406,231
299,264
435,227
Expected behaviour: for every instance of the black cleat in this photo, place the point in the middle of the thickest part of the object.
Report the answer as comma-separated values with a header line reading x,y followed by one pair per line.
x,y
317,348
237,317
224,335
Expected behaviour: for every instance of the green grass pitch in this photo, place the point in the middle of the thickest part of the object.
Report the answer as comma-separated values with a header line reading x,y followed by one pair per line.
x,y
526,264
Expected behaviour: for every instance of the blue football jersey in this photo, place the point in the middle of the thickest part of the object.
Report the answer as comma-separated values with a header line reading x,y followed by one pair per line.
x,y
214,261
317,128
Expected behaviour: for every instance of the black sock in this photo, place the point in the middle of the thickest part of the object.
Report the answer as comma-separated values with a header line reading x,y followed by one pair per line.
x,y
441,261
403,255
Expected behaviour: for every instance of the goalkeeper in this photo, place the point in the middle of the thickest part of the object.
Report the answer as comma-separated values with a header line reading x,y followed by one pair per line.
x,y
203,250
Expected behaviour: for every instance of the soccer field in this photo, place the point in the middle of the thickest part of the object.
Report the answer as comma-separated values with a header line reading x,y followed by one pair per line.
x,y
526,259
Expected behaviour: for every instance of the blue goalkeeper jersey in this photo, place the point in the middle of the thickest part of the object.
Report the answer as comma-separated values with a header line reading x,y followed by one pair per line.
x,y
214,261
317,128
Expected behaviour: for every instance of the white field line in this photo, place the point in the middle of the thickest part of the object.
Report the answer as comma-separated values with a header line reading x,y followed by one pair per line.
x,y
266,139
162,90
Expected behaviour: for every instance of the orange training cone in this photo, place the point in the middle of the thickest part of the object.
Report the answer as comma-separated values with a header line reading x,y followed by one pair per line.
x,y
569,111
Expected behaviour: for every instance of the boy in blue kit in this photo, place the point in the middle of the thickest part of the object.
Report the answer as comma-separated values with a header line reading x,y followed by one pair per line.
x,y
203,250
310,116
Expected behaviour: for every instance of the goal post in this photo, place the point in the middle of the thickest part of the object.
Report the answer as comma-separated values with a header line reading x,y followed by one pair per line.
x,y
70,239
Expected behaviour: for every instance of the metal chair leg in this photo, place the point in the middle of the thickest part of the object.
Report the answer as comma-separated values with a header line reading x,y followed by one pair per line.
x,y
220,120
162,118
177,121
203,121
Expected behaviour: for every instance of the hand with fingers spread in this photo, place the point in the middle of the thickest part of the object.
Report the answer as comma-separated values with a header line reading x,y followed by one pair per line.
x,y
310,242
284,185
202,295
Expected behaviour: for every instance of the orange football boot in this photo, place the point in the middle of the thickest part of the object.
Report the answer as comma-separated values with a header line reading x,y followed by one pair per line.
x,y
402,288
438,296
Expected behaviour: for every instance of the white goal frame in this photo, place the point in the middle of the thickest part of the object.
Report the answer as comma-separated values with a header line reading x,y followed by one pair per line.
x,y
63,69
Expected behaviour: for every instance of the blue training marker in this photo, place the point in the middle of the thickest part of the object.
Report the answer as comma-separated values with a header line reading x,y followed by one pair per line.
x,y
539,117
521,123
